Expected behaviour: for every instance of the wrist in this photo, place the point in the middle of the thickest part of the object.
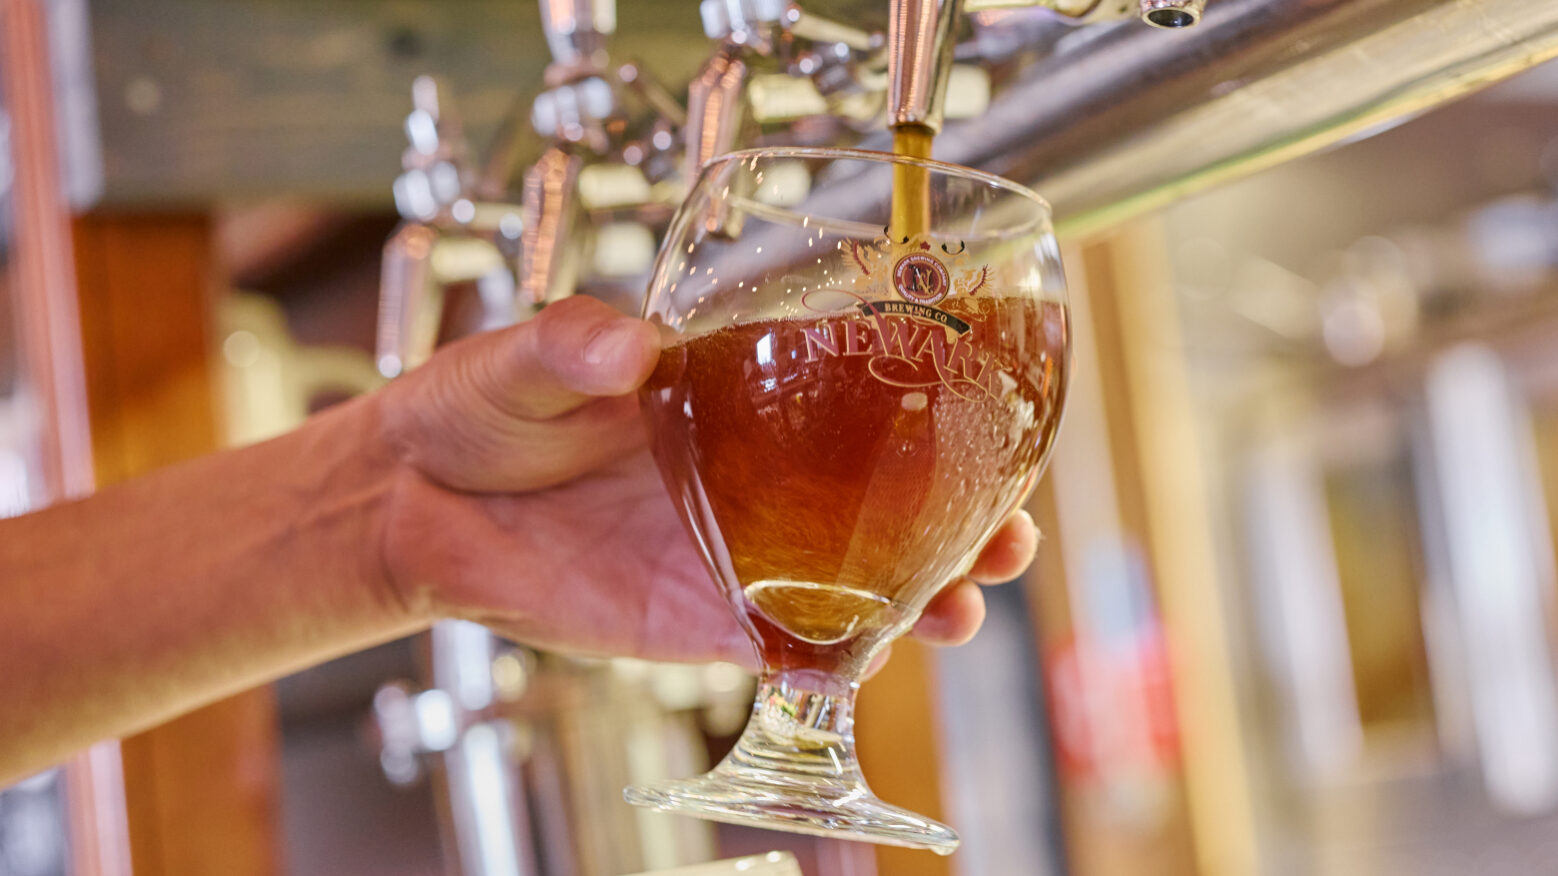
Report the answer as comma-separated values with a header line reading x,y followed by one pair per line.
x,y
366,473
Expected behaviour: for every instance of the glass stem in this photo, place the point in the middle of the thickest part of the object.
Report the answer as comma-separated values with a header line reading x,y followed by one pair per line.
x,y
803,725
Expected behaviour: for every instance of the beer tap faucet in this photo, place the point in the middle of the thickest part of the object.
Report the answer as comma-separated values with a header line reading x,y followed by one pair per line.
x,y
919,59
775,63
921,35
921,49
603,175
448,235
592,200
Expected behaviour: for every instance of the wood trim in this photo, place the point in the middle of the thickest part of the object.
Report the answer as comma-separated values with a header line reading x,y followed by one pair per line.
x,y
1119,406
203,791
1130,286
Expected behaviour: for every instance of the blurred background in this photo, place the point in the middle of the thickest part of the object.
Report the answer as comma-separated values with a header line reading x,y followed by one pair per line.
x,y
1294,612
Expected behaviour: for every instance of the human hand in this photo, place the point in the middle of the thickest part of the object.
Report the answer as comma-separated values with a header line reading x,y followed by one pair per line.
x,y
524,499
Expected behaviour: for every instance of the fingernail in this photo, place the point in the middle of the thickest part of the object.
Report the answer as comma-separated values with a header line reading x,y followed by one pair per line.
x,y
611,342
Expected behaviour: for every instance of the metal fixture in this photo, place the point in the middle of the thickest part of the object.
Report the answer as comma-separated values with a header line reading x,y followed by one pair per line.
x,y
1172,14
741,20
1113,121
457,719
577,30
595,132
779,68
448,236
919,60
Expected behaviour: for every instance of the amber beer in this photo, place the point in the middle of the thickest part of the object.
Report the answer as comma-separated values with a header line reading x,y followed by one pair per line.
x,y
848,466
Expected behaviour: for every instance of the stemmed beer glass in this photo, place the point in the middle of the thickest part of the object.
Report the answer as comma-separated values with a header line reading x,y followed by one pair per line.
x,y
853,396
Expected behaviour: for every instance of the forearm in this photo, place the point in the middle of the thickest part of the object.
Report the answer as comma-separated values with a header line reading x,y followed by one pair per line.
x,y
160,595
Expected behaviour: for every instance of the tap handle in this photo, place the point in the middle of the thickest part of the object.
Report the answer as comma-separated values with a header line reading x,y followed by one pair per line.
x,y
716,105
919,57
410,301
550,246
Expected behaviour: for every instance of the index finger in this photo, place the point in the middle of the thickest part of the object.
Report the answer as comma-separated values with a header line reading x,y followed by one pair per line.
x,y
1009,552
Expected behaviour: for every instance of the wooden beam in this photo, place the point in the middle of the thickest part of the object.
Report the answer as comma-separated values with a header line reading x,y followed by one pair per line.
x,y
1128,284
203,790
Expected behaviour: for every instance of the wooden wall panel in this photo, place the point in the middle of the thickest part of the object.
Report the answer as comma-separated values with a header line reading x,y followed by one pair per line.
x,y
202,791
145,326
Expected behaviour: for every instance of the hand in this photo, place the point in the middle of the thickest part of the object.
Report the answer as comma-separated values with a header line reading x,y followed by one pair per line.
x,y
525,500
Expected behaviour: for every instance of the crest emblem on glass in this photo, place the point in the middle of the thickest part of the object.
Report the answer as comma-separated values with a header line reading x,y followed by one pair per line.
x,y
853,396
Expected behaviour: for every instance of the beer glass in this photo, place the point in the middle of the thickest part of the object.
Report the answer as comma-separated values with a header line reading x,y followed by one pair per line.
x,y
864,367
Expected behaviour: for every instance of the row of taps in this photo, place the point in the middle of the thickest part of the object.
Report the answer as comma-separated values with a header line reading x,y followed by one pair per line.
x,y
621,147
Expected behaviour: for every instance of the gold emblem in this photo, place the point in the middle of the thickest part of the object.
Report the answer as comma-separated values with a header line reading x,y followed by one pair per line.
x,y
920,271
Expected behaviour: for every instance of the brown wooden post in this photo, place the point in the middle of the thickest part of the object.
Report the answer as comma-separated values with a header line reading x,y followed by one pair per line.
x,y
1146,428
203,790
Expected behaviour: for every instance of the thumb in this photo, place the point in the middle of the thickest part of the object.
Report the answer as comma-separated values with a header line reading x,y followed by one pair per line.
x,y
574,351
529,406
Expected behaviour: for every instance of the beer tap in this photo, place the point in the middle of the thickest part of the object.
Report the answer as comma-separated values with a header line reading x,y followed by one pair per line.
x,y
919,60
448,236
595,198
605,175
775,63
921,34
921,49
1172,14
572,113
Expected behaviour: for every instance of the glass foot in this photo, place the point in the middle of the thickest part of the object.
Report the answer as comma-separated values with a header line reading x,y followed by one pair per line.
x,y
788,803
794,769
